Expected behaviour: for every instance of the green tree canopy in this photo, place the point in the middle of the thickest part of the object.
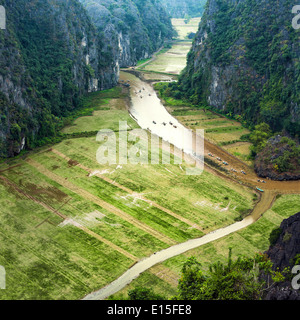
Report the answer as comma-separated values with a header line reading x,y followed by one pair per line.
x,y
234,280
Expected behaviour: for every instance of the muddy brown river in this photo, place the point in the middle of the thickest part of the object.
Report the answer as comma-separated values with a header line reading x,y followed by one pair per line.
x,y
150,114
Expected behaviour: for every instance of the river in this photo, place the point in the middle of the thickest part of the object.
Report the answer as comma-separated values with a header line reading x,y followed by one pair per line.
x,y
146,107
151,115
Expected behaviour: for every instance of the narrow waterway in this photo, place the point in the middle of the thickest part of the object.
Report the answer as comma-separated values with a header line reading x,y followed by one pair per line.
x,y
150,114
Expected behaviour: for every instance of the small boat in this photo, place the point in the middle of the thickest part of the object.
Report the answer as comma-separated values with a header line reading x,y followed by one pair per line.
x,y
259,189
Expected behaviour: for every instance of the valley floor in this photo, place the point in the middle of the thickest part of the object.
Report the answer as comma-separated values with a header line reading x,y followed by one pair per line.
x,y
70,226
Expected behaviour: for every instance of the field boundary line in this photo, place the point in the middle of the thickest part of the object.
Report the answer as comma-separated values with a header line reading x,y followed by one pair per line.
x,y
100,238
85,194
46,206
65,218
131,192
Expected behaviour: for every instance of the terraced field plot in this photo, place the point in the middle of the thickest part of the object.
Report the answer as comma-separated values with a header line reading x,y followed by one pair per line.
x,y
108,109
222,131
184,29
173,61
69,226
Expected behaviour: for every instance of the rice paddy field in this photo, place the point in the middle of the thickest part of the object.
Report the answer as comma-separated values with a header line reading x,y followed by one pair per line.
x,y
172,61
69,226
163,278
184,29
224,132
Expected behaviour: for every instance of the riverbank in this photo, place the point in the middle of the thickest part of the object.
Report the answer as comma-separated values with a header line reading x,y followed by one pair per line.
x,y
143,115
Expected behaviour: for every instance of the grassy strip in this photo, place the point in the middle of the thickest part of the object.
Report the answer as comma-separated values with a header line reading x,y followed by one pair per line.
x,y
224,129
247,242
50,262
70,204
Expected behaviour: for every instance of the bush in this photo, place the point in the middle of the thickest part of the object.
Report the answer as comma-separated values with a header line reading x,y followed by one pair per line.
x,y
140,293
274,235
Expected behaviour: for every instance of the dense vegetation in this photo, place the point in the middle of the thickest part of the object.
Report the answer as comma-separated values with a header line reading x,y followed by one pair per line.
x,y
242,279
51,54
236,280
277,157
247,64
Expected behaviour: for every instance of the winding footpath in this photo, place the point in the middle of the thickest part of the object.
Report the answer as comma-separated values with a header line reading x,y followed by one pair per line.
x,y
265,203
147,263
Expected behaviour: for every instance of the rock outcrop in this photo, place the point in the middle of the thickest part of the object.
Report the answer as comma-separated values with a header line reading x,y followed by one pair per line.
x,y
279,160
284,253
133,30
49,57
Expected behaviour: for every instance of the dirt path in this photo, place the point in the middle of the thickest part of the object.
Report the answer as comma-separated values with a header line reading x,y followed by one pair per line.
x,y
178,249
251,178
272,188
85,194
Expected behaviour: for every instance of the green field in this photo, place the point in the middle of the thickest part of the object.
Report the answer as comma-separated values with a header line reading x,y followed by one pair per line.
x,y
107,108
225,132
69,225
163,278
173,60
183,29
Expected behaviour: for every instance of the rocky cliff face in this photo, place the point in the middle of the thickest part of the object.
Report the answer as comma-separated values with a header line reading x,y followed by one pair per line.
x,y
245,62
51,53
49,57
285,253
133,30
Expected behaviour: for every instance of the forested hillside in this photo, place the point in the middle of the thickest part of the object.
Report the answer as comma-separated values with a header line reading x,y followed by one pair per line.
x,y
184,8
52,53
245,63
